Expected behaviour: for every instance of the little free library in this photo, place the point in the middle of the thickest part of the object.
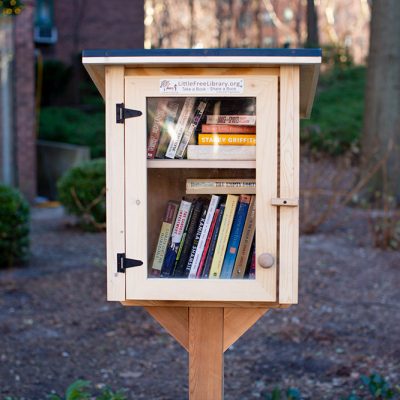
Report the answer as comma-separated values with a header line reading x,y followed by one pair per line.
x,y
202,168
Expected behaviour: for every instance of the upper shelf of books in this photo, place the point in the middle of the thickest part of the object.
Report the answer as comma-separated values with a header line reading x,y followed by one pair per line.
x,y
201,132
308,61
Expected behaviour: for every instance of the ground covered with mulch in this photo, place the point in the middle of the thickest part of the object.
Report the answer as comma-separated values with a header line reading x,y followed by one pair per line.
x,y
56,325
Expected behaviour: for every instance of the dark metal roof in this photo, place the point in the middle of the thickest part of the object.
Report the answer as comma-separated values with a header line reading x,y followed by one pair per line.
x,y
203,53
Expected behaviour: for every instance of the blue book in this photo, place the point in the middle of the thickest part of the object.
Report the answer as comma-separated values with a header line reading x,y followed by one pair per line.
x,y
235,236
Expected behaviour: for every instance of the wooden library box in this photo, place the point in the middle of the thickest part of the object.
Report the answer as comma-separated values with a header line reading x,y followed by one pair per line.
x,y
202,156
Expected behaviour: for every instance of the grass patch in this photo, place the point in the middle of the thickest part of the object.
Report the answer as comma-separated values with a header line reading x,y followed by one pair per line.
x,y
336,121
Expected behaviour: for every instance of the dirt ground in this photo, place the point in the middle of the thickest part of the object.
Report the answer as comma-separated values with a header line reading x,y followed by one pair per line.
x,y
56,325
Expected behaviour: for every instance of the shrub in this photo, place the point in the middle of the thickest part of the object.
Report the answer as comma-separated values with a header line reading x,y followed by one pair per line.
x,y
73,126
82,193
14,227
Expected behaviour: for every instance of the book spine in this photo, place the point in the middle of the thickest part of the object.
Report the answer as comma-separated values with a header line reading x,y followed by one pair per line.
x,y
232,119
187,245
213,243
207,245
204,152
223,237
234,238
155,132
222,139
220,186
176,236
246,241
196,240
165,233
188,134
167,129
202,239
252,262
224,128
179,252
180,127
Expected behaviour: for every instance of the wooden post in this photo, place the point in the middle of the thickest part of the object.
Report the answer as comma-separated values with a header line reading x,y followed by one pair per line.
x,y
206,353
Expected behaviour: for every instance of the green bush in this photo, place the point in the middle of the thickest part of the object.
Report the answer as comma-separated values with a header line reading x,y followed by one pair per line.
x,y
73,126
82,192
14,227
337,116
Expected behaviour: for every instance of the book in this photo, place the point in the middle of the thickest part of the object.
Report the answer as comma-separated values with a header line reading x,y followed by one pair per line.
x,y
196,240
189,132
225,128
180,127
232,119
155,132
203,236
252,263
190,235
221,186
235,236
179,253
207,244
165,233
207,264
175,239
205,152
246,241
223,237
222,139
167,130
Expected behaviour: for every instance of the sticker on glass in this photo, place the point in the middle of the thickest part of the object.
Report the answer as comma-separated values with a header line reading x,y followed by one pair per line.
x,y
201,86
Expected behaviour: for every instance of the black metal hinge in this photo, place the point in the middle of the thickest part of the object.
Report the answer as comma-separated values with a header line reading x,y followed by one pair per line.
x,y
123,263
123,113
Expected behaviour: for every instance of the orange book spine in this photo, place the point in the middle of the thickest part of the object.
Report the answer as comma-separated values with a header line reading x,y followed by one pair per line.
x,y
226,139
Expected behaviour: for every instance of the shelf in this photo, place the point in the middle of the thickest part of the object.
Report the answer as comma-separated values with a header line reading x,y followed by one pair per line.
x,y
209,164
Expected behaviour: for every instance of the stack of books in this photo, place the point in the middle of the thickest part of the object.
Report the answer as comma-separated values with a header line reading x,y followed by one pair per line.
x,y
187,130
208,237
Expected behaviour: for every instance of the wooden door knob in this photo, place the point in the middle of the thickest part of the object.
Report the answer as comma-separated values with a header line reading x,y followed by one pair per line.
x,y
266,260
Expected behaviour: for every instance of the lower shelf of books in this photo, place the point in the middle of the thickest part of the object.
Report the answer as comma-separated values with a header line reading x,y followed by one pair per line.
x,y
203,228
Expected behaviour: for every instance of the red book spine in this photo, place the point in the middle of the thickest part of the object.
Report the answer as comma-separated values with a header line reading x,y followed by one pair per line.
x,y
207,244
252,272
225,128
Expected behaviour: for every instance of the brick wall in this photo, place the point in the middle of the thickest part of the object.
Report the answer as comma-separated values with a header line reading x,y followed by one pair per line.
x,y
24,102
84,24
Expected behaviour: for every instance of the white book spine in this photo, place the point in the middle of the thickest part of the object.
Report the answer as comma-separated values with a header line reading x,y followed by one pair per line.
x,y
190,131
180,221
205,152
231,119
180,127
203,237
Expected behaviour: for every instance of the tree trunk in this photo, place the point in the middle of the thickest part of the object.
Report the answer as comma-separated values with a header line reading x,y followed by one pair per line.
x,y
312,25
381,133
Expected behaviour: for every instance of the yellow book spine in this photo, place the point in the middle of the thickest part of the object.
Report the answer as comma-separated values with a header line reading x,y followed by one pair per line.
x,y
227,139
165,233
223,237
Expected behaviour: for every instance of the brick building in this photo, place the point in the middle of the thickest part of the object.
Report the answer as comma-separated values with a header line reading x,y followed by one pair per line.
x,y
60,30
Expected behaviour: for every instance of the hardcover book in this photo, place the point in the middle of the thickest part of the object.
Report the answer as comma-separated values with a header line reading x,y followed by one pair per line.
x,y
180,127
246,241
155,132
232,119
205,152
188,243
220,186
207,245
196,240
235,236
213,243
165,233
223,237
225,128
167,129
176,236
203,237
222,139
189,132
